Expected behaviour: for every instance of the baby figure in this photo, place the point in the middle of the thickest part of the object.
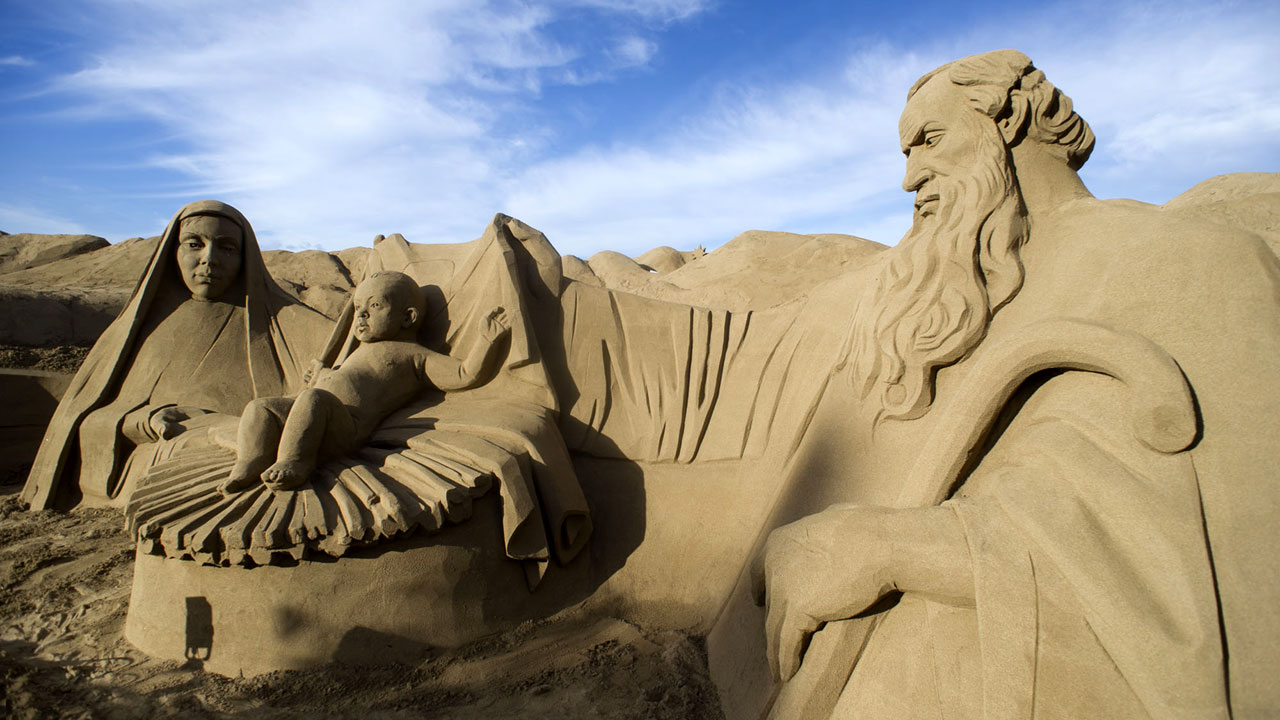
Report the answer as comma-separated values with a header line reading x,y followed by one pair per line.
x,y
280,439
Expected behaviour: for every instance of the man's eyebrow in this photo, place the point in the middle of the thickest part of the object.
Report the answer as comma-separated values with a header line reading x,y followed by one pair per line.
x,y
917,134
922,130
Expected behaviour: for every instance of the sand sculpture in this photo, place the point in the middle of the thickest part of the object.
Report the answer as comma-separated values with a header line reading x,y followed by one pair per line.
x,y
1018,464
1066,449
206,330
279,440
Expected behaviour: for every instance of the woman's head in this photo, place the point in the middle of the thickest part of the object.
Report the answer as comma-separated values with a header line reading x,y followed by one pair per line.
x,y
210,254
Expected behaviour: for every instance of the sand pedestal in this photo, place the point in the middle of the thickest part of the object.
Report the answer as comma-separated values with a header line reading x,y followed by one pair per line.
x,y
389,603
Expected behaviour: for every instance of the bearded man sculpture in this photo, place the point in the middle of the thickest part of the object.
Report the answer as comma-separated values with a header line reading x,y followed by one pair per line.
x,y
1064,423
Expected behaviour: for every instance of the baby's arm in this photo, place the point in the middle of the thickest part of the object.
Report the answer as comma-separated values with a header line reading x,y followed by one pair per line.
x,y
448,373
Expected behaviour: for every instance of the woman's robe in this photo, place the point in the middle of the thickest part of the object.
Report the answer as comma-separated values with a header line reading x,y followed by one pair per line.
x,y
167,349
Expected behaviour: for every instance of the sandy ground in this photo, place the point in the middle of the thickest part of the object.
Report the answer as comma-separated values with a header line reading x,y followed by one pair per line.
x,y
64,591
62,358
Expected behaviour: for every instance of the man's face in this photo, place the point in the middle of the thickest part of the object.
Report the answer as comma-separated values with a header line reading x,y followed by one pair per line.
x,y
379,314
209,255
943,138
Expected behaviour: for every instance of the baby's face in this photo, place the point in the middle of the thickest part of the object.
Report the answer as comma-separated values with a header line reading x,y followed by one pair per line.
x,y
378,314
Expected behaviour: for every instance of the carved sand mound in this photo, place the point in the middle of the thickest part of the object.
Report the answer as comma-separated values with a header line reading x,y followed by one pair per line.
x,y
24,250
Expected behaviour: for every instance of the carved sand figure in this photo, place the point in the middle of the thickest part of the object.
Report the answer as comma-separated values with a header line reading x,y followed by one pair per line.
x,y
205,332
280,439
1063,440
447,516
1022,463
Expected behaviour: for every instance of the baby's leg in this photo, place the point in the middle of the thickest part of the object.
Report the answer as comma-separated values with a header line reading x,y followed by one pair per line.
x,y
256,441
314,413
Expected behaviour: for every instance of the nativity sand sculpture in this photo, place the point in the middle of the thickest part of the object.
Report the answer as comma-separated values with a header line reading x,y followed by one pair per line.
x,y
1019,464
206,330
1065,446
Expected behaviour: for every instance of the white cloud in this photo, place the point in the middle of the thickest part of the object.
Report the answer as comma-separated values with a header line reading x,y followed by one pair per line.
x,y
632,51
14,219
329,122
762,158
1174,94
16,61
657,10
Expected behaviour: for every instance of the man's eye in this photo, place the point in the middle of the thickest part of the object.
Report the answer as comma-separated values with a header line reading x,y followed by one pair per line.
x,y
931,140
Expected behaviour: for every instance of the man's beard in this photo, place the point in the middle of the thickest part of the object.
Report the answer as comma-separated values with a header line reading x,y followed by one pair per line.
x,y
933,296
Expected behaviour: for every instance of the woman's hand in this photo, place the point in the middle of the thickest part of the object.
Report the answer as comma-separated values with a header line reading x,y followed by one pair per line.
x,y
166,422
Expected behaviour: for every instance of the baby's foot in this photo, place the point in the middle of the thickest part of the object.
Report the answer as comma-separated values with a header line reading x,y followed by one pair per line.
x,y
287,474
242,478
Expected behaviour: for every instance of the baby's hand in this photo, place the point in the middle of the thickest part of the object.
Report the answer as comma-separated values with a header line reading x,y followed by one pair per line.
x,y
496,324
312,375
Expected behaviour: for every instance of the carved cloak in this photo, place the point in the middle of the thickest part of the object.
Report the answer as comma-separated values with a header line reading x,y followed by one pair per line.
x,y
279,334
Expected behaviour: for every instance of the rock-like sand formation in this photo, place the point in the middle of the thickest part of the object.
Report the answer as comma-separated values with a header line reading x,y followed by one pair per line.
x,y
1021,463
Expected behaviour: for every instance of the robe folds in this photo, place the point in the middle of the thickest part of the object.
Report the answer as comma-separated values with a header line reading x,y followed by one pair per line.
x,y
1112,579
165,349
421,470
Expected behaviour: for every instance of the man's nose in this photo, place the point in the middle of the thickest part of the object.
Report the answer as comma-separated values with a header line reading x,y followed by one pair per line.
x,y
916,176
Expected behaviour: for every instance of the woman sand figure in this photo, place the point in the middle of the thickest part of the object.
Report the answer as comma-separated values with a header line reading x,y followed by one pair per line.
x,y
206,331
346,404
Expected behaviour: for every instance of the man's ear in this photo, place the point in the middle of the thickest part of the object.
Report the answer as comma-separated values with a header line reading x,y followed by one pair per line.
x,y
1013,121
410,317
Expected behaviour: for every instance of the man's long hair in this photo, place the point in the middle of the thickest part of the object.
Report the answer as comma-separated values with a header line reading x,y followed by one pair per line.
x,y
933,295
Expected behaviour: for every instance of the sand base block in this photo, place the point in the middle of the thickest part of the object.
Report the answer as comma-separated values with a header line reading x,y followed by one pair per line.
x,y
389,603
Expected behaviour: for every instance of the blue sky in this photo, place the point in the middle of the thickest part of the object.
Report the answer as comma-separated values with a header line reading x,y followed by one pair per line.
x,y
607,124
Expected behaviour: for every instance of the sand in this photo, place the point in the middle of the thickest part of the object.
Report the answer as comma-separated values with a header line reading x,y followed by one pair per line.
x,y
64,590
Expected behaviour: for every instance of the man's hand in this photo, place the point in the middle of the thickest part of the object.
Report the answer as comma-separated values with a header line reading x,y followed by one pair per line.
x,y
839,562
828,566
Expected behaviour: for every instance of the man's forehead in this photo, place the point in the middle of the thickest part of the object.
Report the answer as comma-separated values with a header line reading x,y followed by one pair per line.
x,y
931,103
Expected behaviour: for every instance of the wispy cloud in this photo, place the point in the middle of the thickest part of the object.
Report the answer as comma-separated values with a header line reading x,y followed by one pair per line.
x,y
658,10
812,157
332,121
15,219
328,122
16,61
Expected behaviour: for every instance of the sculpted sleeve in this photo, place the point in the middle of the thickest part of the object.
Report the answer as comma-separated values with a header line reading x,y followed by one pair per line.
x,y
1091,565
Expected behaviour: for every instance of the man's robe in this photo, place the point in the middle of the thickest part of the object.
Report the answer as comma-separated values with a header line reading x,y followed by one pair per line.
x,y
1110,579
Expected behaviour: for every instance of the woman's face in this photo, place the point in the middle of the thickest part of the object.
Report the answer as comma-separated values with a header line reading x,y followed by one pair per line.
x,y
209,255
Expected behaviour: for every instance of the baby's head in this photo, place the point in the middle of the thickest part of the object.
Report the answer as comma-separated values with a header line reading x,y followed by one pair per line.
x,y
388,305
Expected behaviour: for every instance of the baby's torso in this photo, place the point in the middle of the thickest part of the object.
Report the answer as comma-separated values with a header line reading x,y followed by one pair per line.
x,y
375,380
